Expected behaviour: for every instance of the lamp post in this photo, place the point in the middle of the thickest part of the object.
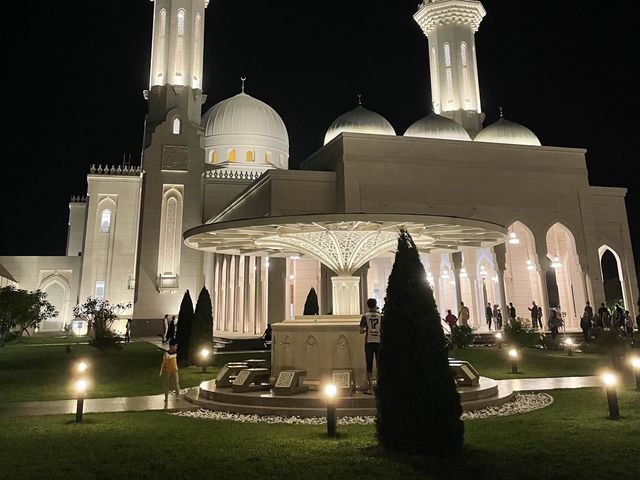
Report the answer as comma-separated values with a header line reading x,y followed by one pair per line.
x,y
499,340
635,363
81,389
204,359
513,355
569,345
610,380
330,392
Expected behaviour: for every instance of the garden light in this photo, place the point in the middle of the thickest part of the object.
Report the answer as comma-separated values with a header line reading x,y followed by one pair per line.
x,y
204,359
82,367
513,355
81,388
635,363
499,340
610,381
569,344
330,391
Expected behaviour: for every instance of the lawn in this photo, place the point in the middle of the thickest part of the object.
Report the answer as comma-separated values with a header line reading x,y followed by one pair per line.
x,y
534,362
30,371
570,439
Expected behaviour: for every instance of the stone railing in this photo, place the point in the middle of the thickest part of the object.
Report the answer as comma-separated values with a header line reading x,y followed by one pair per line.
x,y
226,174
132,170
78,199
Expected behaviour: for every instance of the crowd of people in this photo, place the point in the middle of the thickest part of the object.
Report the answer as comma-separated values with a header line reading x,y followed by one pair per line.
x,y
615,318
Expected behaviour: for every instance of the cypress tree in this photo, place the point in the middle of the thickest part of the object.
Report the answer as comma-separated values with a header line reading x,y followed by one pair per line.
x,y
311,304
183,332
202,328
418,405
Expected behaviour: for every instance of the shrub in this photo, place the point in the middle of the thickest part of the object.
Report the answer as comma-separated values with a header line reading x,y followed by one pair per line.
x,y
202,326
183,332
461,336
611,343
520,332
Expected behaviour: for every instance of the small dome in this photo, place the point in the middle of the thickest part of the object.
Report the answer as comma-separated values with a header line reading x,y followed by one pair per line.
x,y
246,117
437,126
359,120
504,131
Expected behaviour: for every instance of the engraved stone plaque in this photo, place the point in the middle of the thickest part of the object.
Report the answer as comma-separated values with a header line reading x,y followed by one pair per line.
x,y
467,371
342,379
285,379
242,376
175,157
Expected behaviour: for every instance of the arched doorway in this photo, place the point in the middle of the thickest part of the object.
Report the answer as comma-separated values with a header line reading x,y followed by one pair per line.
x,y
58,292
612,278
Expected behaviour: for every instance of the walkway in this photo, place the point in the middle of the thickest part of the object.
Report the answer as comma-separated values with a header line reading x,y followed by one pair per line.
x,y
156,402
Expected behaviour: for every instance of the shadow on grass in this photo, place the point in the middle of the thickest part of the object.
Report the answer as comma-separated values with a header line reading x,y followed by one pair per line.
x,y
470,463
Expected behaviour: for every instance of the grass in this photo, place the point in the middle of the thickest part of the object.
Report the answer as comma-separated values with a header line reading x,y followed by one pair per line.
x,y
44,372
570,439
494,363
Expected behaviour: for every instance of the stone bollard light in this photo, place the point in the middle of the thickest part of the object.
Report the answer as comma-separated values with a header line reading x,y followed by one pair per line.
x,y
204,359
499,340
81,389
610,381
568,343
330,392
635,364
513,355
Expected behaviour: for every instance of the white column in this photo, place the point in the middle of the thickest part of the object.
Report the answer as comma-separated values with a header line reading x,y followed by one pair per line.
x,y
346,295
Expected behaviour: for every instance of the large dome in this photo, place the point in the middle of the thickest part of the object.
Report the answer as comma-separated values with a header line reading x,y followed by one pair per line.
x,y
504,131
243,130
437,126
359,120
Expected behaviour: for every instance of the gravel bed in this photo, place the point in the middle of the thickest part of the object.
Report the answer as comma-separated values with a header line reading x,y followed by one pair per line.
x,y
521,403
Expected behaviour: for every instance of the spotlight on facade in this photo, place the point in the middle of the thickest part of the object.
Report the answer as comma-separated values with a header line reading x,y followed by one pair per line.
x,y
330,391
513,355
556,263
635,364
204,359
610,380
513,239
530,265
81,386
463,273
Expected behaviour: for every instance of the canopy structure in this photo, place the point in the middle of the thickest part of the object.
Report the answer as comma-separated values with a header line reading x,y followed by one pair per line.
x,y
342,242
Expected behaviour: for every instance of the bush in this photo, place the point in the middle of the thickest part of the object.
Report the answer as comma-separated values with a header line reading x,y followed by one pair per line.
x,y
461,337
611,343
520,332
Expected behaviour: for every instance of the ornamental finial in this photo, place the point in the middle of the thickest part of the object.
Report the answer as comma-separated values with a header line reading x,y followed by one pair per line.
x,y
501,115
359,99
243,79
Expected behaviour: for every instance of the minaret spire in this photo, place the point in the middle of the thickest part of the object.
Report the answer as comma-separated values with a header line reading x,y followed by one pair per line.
x,y
243,79
450,26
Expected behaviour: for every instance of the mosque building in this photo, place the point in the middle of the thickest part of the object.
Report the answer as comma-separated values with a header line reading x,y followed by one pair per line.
x,y
214,204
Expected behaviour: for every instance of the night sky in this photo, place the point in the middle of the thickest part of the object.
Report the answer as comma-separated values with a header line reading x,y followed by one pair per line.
x,y
562,68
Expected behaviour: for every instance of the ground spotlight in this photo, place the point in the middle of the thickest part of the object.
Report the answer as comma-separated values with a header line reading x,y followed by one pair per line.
x,y
513,355
610,380
330,391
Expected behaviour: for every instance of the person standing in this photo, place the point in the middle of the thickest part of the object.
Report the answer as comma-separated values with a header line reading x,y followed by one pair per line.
x,y
534,314
498,320
169,370
628,322
554,323
588,311
585,325
540,317
512,311
127,331
165,328
489,315
603,315
463,314
370,324
451,320
171,329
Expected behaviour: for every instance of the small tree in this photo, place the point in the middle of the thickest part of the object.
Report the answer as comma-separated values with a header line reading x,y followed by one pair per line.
x,y
183,333
311,304
21,310
417,401
202,327
100,315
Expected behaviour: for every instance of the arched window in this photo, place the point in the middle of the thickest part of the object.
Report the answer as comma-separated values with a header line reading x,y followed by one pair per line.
x,y
436,80
232,155
249,157
449,74
170,236
180,47
196,52
105,221
465,75
214,157
161,46
177,126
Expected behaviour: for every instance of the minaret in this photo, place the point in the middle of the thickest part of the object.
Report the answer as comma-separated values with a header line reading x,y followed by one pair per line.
x,y
450,26
172,162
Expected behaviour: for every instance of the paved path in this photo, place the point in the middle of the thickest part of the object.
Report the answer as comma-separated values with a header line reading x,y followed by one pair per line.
x,y
94,405
156,402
